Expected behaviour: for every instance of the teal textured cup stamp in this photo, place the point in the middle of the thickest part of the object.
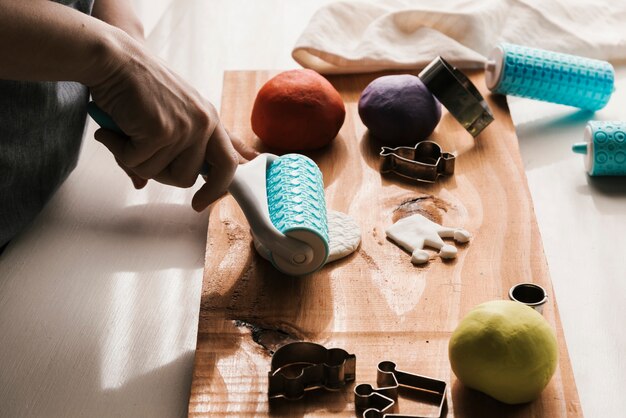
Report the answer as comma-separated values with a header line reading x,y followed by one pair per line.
x,y
604,148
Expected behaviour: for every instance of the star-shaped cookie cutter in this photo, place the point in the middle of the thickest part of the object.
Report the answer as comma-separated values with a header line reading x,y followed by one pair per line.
x,y
381,402
302,366
423,162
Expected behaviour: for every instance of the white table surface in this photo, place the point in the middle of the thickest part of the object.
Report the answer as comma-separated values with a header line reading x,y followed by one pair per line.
x,y
99,297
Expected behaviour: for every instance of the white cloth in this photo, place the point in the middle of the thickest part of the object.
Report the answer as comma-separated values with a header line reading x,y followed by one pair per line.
x,y
359,36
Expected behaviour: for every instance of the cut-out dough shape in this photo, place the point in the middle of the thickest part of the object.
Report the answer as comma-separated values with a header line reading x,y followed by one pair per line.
x,y
344,236
415,232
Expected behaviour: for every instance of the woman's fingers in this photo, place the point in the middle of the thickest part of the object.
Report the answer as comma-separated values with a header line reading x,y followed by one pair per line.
x,y
128,152
247,152
138,182
223,161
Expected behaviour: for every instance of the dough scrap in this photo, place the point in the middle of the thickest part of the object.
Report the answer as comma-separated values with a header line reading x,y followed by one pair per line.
x,y
415,232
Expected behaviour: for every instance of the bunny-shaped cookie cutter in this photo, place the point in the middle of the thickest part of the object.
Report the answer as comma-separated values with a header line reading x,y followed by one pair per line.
x,y
424,162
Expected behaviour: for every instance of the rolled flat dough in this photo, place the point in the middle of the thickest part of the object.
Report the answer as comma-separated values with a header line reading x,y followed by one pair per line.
x,y
344,236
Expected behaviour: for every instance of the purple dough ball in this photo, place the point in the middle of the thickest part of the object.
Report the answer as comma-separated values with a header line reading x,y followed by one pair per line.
x,y
399,109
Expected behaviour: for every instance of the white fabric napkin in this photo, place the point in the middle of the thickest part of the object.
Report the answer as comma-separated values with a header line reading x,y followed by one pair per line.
x,y
362,36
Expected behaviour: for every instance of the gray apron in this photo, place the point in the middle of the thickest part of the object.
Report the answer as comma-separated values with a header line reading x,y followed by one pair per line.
x,y
41,130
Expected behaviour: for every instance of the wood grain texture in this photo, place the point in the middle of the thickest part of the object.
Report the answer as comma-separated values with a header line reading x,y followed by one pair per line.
x,y
374,303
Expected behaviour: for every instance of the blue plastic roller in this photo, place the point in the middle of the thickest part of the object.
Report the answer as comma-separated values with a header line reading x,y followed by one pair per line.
x,y
549,76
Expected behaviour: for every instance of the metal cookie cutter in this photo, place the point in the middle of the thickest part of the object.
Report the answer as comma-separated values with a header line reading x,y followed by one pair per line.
x,y
457,93
381,402
529,294
424,162
302,366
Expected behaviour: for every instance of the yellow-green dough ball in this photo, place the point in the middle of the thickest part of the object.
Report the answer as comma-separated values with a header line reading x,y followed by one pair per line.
x,y
504,349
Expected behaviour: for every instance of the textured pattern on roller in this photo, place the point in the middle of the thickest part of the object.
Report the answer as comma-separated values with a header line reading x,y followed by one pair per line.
x,y
295,195
344,235
554,77
609,148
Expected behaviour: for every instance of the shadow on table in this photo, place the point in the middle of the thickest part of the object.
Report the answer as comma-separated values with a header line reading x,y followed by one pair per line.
x,y
319,400
469,403
555,123
609,186
608,193
547,141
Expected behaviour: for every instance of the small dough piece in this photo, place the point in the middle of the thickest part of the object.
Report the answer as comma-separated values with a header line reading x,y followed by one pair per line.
x,y
344,235
415,232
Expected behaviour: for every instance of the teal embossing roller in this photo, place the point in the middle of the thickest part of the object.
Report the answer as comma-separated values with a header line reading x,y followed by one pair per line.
x,y
604,148
283,200
549,76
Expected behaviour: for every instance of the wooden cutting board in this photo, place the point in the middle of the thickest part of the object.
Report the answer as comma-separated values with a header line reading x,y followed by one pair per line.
x,y
375,303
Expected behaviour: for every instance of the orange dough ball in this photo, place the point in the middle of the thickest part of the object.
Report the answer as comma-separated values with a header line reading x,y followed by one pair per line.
x,y
297,110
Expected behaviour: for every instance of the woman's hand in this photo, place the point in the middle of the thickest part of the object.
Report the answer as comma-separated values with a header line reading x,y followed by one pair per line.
x,y
172,129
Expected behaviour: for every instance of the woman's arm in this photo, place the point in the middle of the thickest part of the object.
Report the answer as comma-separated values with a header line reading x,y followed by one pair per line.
x,y
172,129
45,41
120,14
